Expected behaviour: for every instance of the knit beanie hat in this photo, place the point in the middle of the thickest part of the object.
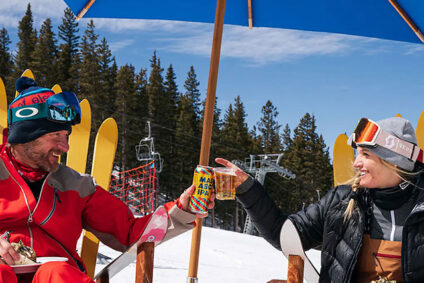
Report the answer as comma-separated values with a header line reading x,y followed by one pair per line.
x,y
24,131
402,129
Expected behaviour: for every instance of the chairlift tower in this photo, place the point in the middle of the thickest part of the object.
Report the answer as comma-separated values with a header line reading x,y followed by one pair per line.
x,y
145,151
260,165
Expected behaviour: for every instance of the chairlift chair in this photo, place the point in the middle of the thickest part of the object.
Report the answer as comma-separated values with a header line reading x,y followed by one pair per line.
x,y
145,151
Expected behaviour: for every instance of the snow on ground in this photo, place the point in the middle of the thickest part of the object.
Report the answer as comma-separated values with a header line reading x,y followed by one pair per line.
x,y
225,256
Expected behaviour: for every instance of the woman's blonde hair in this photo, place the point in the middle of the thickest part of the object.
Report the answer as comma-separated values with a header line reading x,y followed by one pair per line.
x,y
355,180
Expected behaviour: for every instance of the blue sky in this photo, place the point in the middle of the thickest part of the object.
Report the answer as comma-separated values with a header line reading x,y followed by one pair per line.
x,y
337,78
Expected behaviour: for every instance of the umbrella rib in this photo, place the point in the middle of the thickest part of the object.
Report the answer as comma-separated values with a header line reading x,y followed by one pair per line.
x,y
407,19
85,9
249,5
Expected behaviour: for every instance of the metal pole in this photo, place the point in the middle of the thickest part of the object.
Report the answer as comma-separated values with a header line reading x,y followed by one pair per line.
x,y
207,128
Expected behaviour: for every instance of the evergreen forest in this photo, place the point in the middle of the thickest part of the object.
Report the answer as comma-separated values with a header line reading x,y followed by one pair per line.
x,y
81,61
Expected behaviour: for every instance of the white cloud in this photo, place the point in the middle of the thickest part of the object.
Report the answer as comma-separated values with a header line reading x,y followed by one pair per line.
x,y
263,45
414,48
128,25
256,46
115,46
8,21
12,11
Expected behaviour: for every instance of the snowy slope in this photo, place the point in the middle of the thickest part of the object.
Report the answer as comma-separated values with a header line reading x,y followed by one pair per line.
x,y
224,257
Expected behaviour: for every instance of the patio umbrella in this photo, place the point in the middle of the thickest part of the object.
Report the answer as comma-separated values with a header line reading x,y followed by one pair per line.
x,y
401,20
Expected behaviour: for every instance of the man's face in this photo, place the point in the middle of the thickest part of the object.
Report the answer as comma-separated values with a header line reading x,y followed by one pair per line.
x,y
43,153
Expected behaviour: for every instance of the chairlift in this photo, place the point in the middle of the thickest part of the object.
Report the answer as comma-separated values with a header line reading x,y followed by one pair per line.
x,y
145,151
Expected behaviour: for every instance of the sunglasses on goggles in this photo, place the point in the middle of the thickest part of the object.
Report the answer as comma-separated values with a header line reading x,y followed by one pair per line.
x,y
369,134
61,107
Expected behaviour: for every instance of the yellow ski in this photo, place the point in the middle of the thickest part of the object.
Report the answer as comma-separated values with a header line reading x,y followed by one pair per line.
x,y
104,154
56,88
420,130
3,109
343,158
79,140
27,73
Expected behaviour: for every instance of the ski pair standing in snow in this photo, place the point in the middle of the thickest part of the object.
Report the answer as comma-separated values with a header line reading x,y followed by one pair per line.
x,y
46,205
369,229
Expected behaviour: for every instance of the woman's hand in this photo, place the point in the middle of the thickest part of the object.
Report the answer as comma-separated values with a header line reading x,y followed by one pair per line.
x,y
8,255
241,175
185,199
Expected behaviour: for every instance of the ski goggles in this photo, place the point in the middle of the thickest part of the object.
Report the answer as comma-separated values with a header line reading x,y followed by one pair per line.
x,y
62,107
369,134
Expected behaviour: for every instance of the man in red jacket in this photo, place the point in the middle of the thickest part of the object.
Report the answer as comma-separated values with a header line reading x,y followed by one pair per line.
x,y
46,205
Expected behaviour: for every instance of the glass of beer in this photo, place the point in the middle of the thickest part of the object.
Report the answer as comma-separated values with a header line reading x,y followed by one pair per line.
x,y
225,183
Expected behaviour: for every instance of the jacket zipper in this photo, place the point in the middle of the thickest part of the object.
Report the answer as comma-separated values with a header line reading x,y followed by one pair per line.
x,y
55,200
30,221
30,214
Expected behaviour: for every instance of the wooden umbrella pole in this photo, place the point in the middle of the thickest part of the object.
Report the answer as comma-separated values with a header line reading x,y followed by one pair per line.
x,y
407,19
249,7
85,9
207,127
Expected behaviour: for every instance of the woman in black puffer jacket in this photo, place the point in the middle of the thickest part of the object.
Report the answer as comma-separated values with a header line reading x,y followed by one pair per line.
x,y
371,229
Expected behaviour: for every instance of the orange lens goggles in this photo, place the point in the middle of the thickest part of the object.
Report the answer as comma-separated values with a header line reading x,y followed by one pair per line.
x,y
369,133
366,132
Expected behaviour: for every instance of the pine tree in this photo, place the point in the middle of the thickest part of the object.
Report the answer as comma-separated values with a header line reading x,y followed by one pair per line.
x,y
126,105
45,56
168,149
171,88
308,158
90,73
155,90
6,63
188,136
89,80
286,138
235,138
235,143
27,39
192,91
187,153
270,129
255,142
69,56
143,100
107,69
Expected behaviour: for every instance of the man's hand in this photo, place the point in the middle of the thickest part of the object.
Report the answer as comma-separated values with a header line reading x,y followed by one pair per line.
x,y
241,175
8,255
185,199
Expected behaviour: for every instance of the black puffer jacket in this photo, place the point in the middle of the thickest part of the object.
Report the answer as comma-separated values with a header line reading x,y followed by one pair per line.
x,y
322,224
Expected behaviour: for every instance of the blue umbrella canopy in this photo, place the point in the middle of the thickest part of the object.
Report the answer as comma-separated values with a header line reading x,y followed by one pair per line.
x,y
370,18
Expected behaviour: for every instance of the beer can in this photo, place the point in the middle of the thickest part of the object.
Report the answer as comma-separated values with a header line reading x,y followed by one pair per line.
x,y
202,180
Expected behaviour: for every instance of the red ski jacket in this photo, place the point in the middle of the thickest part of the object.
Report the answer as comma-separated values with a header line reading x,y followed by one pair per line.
x,y
69,202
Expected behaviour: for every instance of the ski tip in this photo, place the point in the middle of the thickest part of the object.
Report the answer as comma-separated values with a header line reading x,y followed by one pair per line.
x,y
28,73
56,88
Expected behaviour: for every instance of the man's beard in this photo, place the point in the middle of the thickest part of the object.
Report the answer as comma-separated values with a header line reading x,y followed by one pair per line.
x,y
40,159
